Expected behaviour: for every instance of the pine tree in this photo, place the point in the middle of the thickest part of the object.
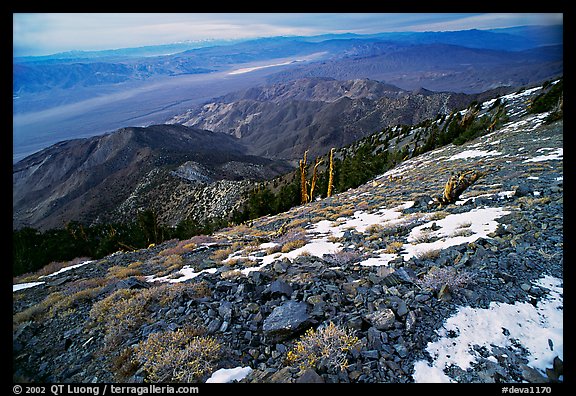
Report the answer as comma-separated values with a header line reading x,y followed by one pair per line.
x,y
303,182
330,174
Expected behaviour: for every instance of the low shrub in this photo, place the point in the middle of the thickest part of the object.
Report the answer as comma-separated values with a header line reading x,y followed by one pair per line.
x,y
124,312
221,254
437,278
328,347
177,356
293,245
120,272
393,247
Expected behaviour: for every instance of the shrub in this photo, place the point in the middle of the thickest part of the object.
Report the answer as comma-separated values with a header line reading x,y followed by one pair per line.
x,y
119,315
273,249
124,312
437,278
393,247
177,356
58,303
431,254
120,272
374,229
39,311
293,239
173,262
180,248
326,347
221,254
124,365
293,245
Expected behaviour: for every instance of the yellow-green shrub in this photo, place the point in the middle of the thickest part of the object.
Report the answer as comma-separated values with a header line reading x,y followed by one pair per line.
x,y
293,245
125,311
177,356
328,346
120,272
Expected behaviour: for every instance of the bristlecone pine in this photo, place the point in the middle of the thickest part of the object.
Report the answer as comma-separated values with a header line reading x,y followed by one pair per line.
x,y
457,184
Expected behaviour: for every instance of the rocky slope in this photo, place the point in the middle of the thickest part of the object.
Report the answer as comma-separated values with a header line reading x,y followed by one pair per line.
x,y
100,178
467,292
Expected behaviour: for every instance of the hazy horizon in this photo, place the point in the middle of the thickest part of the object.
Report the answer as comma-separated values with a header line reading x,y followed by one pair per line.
x,y
40,34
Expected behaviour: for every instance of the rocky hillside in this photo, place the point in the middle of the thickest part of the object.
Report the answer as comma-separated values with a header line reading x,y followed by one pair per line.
x,y
283,120
111,177
376,284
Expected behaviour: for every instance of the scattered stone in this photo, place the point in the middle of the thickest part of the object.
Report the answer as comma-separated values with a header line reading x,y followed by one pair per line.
x,y
286,319
280,288
382,320
309,376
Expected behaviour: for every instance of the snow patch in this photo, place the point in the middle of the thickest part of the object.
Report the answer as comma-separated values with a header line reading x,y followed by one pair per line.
x,y
503,325
229,375
187,273
472,154
477,222
21,286
382,259
556,154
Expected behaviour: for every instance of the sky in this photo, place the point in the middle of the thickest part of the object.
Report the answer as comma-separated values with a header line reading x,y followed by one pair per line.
x,y
49,33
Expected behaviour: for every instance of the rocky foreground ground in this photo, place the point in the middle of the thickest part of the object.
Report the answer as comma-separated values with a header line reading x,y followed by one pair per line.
x,y
382,267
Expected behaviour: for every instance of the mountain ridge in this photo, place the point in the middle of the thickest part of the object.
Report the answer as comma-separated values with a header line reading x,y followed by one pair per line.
x,y
285,119
85,179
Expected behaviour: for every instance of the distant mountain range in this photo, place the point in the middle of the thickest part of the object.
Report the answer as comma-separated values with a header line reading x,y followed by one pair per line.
x,y
66,70
332,90
438,67
314,114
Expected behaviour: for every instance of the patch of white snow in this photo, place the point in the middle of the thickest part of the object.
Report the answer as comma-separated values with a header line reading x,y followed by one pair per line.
x,y
504,325
479,222
21,286
229,375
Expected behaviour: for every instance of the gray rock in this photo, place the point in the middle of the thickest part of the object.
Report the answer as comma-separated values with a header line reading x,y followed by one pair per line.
x,y
523,190
284,375
411,319
213,326
225,310
382,320
310,376
532,375
286,319
398,305
129,283
252,307
374,337
279,288
422,201
370,354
